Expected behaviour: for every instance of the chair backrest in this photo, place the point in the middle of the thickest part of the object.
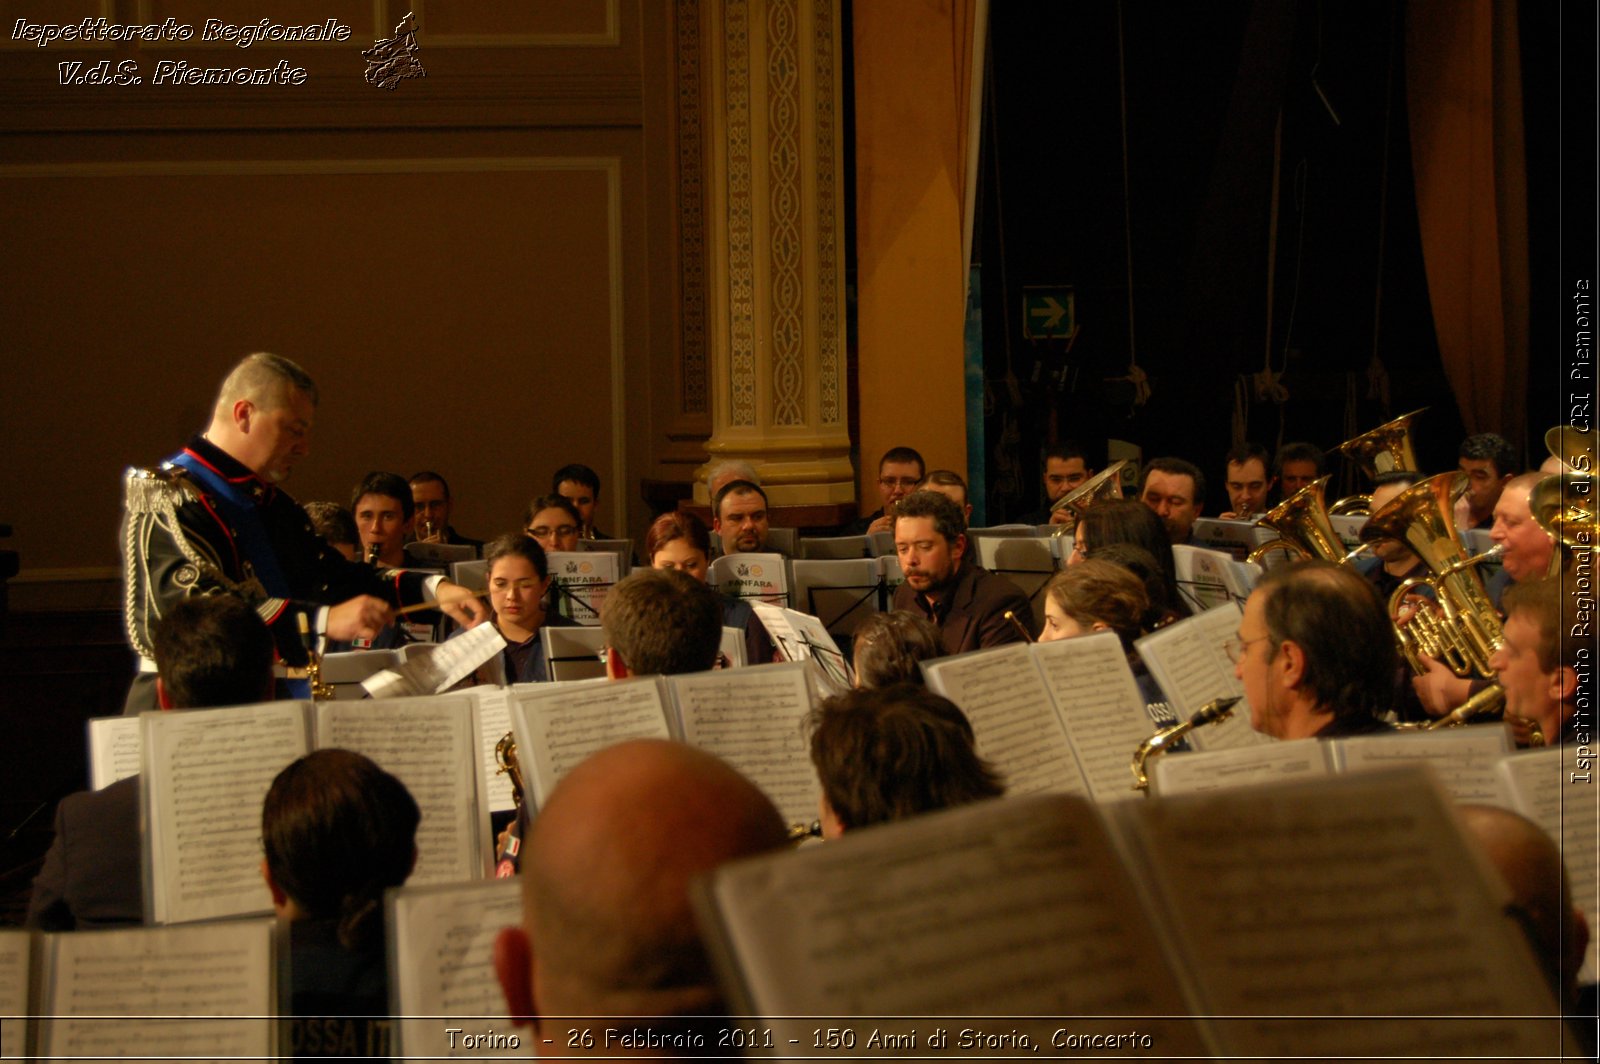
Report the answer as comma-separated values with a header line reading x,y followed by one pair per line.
x,y
573,653
835,547
840,592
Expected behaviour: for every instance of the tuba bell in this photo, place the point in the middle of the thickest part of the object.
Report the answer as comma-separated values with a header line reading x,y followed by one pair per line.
x,y
1106,484
1463,629
1564,506
1385,449
1302,524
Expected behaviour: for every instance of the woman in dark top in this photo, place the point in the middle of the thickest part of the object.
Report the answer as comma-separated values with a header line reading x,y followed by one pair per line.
x,y
337,831
519,582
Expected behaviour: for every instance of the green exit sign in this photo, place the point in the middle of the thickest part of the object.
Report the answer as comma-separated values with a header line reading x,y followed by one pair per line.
x,y
1049,312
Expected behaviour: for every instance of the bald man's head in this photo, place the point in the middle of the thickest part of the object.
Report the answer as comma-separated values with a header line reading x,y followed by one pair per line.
x,y
608,927
1529,863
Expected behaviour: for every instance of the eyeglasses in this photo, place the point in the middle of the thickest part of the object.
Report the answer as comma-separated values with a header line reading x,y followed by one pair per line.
x,y
1235,647
899,482
560,531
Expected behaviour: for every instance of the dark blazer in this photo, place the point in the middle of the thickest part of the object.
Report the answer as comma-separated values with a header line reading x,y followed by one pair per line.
x,y
91,876
972,614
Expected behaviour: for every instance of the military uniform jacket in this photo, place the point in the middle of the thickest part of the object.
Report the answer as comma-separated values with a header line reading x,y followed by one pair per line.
x,y
181,538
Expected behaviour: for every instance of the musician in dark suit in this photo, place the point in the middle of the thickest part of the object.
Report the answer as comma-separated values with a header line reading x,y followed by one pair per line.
x,y
210,651
967,604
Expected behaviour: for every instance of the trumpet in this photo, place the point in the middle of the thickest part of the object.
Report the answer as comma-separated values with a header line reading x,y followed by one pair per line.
x,y
1214,711
505,755
1384,449
1302,524
1463,631
1106,484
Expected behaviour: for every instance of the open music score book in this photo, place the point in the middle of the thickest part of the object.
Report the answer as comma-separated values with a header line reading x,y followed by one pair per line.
x,y
802,637
1557,791
1189,660
441,964
1060,716
206,771
113,750
750,718
1240,923
1464,759
15,968
215,986
439,667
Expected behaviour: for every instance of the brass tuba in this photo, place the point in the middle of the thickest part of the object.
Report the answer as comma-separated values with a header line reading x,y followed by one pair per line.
x,y
1463,629
1213,712
1384,449
1302,524
1106,484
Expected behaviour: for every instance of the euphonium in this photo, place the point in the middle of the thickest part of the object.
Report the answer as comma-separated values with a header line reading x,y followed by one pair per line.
x,y
1218,709
1384,449
1302,524
1106,484
1564,506
505,755
1463,630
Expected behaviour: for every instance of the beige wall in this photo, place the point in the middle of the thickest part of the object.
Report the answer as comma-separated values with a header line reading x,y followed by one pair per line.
x,y
909,172
477,266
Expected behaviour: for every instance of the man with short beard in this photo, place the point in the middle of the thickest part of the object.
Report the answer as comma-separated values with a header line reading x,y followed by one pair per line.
x,y
966,603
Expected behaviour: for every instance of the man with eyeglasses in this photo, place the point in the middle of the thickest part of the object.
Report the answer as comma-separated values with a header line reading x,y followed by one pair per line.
x,y
900,470
1315,653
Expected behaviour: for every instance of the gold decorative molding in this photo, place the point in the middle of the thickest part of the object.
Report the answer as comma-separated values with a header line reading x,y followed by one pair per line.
x,y
740,215
783,214
829,279
693,365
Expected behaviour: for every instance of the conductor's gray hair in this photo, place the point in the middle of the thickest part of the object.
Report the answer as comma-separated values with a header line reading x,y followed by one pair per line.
x,y
266,380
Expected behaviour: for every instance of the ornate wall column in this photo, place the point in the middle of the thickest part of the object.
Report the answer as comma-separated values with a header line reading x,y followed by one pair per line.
x,y
774,250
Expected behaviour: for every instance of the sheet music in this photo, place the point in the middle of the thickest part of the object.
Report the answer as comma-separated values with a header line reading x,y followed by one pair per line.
x,y
586,576
205,773
1189,661
799,636
1093,685
1195,772
216,979
1013,718
441,964
494,720
560,724
439,668
113,750
1002,908
1202,575
1553,790
1463,758
752,576
751,718
1351,895
14,944
431,746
